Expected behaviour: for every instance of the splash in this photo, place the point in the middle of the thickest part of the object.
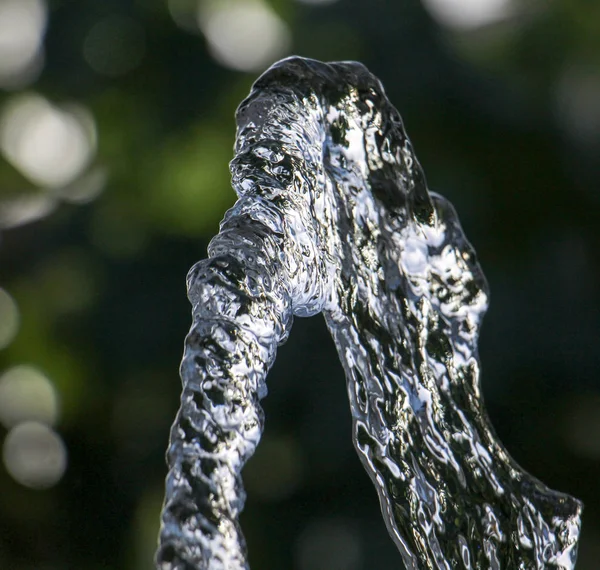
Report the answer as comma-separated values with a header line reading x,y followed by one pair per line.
x,y
334,216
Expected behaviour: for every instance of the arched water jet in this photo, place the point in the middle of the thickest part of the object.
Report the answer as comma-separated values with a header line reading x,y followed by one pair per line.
x,y
334,216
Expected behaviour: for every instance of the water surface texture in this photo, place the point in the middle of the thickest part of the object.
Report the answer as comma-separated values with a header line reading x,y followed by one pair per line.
x,y
334,216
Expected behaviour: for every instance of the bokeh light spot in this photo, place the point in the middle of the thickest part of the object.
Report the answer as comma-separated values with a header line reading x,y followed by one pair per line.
x,y
50,146
34,455
145,527
22,27
582,426
86,188
467,14
27,394
117,231
184,14
9,318
317,2
19,210
189,186
114,46
243,35
329,543
578,102
276,469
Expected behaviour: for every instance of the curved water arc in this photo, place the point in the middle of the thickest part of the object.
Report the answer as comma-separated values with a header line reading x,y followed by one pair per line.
x,y
334,216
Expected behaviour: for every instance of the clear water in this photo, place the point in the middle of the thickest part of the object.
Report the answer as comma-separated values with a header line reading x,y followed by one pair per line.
x,y
334,216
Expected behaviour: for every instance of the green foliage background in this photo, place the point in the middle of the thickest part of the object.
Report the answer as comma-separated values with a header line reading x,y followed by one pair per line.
x,y
503,124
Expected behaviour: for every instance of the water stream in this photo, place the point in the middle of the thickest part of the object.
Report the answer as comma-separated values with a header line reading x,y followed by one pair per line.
x,y
334,216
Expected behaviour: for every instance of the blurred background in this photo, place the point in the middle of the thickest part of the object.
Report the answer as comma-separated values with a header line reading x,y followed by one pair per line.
x,y
116,128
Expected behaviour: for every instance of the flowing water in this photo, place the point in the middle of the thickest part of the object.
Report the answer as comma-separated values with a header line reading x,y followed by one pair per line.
x,y
334,216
